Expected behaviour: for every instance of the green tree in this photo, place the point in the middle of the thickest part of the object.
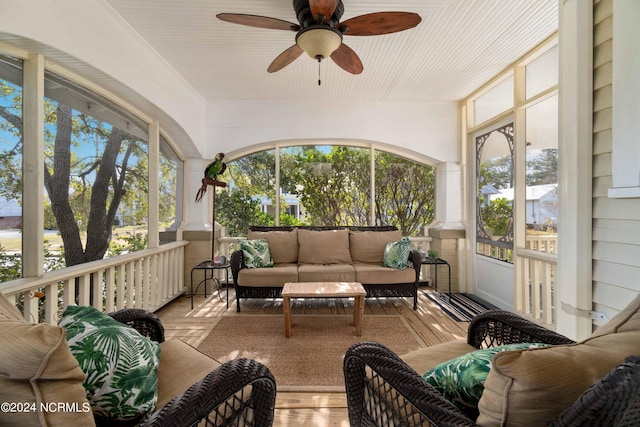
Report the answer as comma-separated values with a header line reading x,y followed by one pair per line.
x,y
332,186
405,193
543,167
237,210
497,172
497,215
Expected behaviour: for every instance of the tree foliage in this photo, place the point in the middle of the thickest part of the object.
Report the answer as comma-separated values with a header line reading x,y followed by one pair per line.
x,y
543,167
333,186
497,216
497,172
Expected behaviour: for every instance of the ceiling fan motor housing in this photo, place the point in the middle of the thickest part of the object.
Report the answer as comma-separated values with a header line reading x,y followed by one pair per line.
x,y
306,18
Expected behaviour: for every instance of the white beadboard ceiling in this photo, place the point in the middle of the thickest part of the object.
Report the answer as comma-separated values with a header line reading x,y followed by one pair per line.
x,y
459,45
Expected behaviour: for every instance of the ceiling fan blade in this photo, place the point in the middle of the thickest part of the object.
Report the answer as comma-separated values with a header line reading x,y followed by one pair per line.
x,y
323,8
258,21
285,58
374,24
347,59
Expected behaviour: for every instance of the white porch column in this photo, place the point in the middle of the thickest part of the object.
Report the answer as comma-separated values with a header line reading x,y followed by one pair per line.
x,y
154,183
448,230
33,169
196,215
574,281
197,218
448,197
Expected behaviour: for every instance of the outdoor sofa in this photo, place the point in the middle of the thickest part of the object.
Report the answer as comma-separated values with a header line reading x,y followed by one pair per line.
x,y
595,382
37,367
326,254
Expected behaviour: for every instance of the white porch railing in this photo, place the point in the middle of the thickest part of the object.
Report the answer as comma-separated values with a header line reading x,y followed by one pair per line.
x,y
535,285
146,279
547,244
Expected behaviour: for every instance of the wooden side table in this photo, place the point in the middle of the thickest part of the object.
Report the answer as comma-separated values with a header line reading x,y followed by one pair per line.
x,y
324,290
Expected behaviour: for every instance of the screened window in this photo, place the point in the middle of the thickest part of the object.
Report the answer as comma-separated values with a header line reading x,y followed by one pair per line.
x,y
542,73
10,168
168,214
495,192
331,182
404,193
327,185
542,176
96,169
495,101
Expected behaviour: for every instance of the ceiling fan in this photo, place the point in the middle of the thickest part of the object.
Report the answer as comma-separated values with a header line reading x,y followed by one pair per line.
x,y
319,32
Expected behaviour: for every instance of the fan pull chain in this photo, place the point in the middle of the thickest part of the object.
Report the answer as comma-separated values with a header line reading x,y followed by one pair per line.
x,y
319,60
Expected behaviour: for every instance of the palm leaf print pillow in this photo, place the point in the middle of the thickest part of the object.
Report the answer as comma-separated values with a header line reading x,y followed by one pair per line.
x,y
256,253
121,365
396,254
461,380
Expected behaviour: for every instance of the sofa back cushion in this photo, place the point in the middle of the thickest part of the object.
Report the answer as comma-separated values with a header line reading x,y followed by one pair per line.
x,y
533,387
324,247
283,245
37,368
368,246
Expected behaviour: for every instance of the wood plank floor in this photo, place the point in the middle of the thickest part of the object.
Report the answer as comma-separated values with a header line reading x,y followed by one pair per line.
x,y
319,409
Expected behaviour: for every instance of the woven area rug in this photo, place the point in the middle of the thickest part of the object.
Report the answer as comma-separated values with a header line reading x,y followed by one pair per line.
x,y
312,357
459,307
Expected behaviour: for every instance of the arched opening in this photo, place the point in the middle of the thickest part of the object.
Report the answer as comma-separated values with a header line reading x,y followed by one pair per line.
x,y
327,183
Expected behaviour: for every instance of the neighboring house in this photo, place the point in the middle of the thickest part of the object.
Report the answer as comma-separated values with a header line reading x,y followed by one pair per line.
x,y
541,203
291,206
10,214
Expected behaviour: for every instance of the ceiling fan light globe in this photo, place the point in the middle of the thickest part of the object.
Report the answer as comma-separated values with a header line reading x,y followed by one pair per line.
x,y
319,41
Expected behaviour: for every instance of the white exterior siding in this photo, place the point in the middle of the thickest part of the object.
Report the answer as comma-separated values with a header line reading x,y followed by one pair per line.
x,y
616,222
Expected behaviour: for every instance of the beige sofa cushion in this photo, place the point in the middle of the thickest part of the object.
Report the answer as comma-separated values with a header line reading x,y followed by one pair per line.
x,y
426,358
180,367
368,246
36,366
326,273
324,247
283,245
265,277
532,387
376,274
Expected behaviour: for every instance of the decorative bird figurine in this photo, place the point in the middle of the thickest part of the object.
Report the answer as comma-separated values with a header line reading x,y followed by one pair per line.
x,y
212,172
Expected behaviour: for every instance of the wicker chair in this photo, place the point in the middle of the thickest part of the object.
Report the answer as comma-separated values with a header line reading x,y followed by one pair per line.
x,y
382,390
221,398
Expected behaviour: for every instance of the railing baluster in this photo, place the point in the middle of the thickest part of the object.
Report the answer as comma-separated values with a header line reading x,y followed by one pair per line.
x,y
96,286
30,306
109,283
50,303
130,282
121,296
83,289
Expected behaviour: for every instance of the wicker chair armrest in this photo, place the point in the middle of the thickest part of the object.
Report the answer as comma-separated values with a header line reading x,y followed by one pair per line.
x,y
499,327
612,401
380,386
145,322
237,263
223,398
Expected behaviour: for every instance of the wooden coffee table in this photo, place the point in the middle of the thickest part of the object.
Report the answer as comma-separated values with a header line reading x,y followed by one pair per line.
x,y
323,290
